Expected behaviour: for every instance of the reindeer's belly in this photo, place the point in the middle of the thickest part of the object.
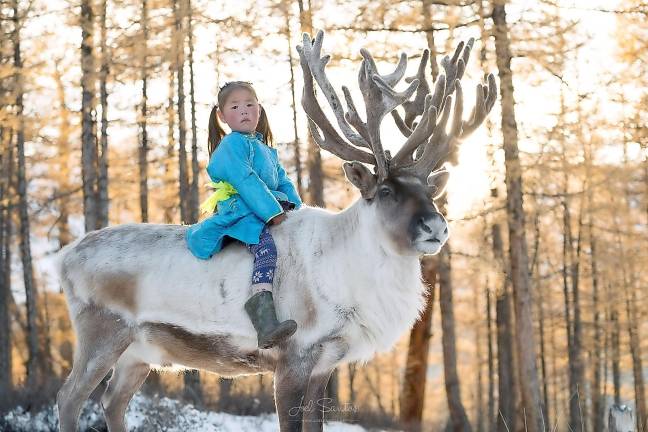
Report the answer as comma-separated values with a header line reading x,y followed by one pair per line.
x,y
170,346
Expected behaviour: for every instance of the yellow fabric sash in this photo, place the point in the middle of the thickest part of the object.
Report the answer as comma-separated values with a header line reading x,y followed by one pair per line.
x,y
222,191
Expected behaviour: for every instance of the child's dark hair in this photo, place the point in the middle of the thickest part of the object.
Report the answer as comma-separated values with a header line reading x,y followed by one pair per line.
x,y
216,131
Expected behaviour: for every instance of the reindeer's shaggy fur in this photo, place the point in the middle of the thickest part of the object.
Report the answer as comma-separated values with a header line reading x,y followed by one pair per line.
x,y
342,277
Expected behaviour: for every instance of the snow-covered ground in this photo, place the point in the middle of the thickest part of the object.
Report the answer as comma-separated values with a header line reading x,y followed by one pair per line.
x,y
151,414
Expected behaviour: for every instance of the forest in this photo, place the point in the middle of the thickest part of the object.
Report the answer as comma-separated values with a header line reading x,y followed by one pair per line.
x,y
535,308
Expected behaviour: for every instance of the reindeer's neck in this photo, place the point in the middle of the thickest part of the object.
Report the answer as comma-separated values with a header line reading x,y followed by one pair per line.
x,y
350,240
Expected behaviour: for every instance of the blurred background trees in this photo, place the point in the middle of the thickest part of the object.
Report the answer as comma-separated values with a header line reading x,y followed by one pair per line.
x,y
541,298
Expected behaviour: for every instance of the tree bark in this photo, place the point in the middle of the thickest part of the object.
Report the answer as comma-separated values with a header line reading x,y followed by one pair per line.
x,y
34,369
637,367
505,418
89,160
490,417
598,398
570,273
479,414
142,121
506,406
63,149
296,145
195,174
413,392
102,184
6,165
458,421
543,354
532,405
179,12
314,157
169,177
616,355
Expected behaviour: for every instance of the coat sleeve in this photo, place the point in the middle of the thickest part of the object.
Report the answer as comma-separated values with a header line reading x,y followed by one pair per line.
x,y
286,186
232,162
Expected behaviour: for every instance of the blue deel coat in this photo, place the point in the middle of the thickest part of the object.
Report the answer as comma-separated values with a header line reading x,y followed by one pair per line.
x,y
253,168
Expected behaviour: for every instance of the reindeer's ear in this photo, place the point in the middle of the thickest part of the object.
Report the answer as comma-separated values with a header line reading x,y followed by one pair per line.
x,y
437,182
361,177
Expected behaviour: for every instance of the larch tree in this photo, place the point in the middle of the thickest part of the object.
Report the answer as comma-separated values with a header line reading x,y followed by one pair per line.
x,y
104,70
142,120
314,158
34,361
179,38
195,168
518,253
89,156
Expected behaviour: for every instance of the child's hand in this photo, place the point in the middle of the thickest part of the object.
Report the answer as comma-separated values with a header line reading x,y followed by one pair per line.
x,y
278,219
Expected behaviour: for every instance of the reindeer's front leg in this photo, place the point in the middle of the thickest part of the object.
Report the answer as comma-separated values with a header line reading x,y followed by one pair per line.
x,y
291,381
331,352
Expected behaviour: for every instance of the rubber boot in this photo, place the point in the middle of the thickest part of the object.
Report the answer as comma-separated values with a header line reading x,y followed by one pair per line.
x,y
260,308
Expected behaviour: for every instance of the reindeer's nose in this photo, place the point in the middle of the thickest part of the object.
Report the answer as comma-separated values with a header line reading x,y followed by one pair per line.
x,y
433,223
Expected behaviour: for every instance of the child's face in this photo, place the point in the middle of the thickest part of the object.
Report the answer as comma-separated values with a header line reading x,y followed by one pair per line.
x,y
240,111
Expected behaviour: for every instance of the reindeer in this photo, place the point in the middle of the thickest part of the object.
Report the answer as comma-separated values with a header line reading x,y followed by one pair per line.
x,y
138,299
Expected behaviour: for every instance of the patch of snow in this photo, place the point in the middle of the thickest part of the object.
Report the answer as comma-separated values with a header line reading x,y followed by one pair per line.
x,y
146,414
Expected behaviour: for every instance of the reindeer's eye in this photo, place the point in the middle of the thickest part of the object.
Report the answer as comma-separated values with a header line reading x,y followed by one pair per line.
x,y
385,192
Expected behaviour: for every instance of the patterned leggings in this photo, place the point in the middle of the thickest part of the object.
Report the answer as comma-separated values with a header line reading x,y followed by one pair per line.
x,y
265,261
265,257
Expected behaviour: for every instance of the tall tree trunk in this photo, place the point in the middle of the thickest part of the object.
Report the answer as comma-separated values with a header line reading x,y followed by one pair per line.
x,y
168,175
352,370
458,421
635,351
479,414
543,353
102,185
412,397
142,121
314,162
634,320
490,417
506,382
296,145
507,390
63,149
34,369
570,272
616,355
6,166
195,174
224,393
88,127
598,401
179,12
532,405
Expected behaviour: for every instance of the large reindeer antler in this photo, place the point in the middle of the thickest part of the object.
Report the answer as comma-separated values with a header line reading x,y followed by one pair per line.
x,y
428,138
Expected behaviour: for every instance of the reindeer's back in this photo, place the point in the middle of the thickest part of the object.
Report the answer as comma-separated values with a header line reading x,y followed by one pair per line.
x,y
145,273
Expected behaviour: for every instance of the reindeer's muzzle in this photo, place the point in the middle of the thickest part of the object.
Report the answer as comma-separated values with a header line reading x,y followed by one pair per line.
x,y
430,232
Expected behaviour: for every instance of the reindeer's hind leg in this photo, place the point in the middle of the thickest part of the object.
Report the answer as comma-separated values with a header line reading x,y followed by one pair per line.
x,y
102,337
128,376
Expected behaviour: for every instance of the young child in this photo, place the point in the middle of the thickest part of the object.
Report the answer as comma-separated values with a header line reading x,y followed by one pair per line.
x,y
252,192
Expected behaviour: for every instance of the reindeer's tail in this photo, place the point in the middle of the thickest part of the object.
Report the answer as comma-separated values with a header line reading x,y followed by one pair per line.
x,y
60,262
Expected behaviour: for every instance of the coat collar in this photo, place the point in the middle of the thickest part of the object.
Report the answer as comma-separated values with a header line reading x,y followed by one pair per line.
x,y
256,135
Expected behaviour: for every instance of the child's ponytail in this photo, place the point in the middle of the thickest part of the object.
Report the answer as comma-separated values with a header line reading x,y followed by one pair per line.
x,y
263,127
216,131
